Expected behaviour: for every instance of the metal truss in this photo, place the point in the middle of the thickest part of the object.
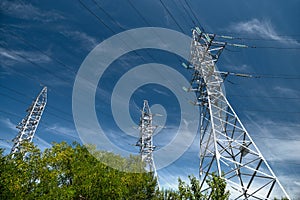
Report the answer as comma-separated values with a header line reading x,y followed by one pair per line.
x,y
145,141
30,123
226,147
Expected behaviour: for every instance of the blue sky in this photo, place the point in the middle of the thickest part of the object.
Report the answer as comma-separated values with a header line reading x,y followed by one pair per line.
x,y
45,43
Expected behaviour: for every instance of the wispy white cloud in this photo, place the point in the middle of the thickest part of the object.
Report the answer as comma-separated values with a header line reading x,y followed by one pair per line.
x,y
284,137
8,123
278,144
293,186
5,145
10,57
6,136
41,143
239,68
62,131
297,183
86,40
288,92
262,28
28,11
160,92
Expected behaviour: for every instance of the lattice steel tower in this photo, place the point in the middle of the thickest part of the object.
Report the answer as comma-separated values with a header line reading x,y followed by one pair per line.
x,y
226,147
30,123
145,141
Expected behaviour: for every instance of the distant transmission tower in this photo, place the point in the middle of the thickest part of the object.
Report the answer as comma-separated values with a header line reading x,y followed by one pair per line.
x,y
30,123
145,141
226,147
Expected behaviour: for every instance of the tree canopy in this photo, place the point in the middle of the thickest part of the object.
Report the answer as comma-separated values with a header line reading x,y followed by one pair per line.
x,y
70,172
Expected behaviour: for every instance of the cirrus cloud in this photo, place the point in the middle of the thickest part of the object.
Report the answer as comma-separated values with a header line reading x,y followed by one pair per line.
x,y
262,28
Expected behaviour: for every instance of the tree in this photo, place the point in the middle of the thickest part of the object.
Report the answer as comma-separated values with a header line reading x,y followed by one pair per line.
x,y
192,191
218,188
71,172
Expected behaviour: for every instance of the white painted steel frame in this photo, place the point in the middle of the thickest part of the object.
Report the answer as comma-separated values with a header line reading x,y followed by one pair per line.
x,y
226,147
145,141
30,123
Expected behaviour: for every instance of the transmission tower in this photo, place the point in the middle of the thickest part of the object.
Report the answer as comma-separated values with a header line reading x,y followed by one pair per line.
x,y
145,141
30,123
226,147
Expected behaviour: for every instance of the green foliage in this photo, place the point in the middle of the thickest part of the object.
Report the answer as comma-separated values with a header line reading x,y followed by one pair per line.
x,y
71,172
192,191
218,188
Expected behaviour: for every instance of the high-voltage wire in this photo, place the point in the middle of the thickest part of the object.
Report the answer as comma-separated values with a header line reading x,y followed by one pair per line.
x,y
171,15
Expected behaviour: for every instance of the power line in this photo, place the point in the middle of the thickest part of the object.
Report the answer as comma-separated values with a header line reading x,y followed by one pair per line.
x,y
171,15
284,162
26,95
50,106
148,24
188,13
276,138
138,12
185,11
33,63
107,14
41,51
44,124
97,17
51,113
255,75
274,76
270,111
240,37
282,125
20,101
274,47
270,97
226,37
195,16
137,54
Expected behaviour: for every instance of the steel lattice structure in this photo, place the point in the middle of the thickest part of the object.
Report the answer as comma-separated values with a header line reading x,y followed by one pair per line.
x,y
226,147
145,141
30,123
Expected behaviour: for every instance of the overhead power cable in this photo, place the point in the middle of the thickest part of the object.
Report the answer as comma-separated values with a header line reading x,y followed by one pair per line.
x,y
255,75
171,15
195,16
26,95
241,37
98,18
43,124
188,13
139,13
270,111
184,14
41,51
269,97
50,113
135,52
33,63
226,37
